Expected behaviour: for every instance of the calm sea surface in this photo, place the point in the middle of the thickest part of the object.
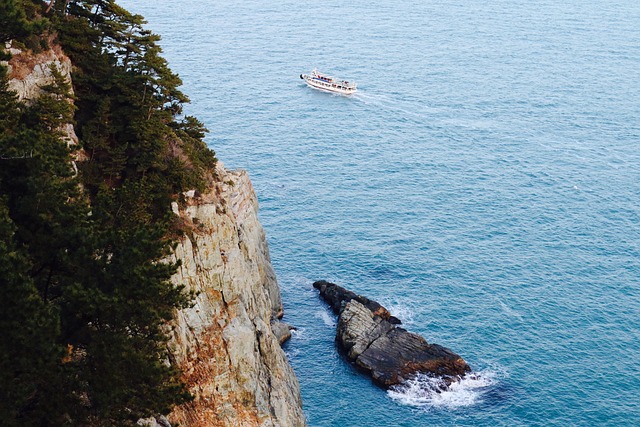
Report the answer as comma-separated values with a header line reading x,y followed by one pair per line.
x,y
484,184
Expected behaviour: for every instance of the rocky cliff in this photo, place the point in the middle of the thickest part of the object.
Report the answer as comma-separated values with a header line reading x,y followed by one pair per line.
x,y
232,360
225,344
29,73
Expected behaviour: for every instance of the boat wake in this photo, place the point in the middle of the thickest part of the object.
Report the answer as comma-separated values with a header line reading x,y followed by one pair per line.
x,y
427,392
392,106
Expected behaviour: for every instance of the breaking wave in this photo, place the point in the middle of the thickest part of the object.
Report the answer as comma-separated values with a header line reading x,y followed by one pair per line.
x,y
426,392
299,334
403,310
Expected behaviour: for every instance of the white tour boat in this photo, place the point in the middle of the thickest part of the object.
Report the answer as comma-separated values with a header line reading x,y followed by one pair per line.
x,y
330,84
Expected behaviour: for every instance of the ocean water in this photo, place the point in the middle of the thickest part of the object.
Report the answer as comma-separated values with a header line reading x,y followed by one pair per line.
x,y
483,184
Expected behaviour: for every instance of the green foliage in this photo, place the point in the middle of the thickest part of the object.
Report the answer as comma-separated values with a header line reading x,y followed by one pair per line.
x,y
129,102
35,222
28,351
202,159
86,291
22,20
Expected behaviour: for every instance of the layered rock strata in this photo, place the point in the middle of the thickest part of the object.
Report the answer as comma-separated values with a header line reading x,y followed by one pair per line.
x,y
228,343
370,337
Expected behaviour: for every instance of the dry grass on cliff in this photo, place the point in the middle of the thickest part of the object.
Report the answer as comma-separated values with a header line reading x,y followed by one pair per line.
x,y
23,63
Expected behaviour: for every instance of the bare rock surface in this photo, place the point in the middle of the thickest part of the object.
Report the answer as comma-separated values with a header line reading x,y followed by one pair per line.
x,y
158,421
281,330
29,72
228,343
369,335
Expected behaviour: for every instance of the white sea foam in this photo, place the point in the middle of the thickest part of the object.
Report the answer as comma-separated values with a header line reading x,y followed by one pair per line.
x,y
403,310
298,333
291,354
508,310
428,392
326,318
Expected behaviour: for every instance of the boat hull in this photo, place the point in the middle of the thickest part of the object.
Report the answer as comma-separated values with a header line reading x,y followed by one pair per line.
x,y
325,86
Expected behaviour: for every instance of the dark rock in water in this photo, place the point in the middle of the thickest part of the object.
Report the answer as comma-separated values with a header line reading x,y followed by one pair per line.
x,y
337,297
390,354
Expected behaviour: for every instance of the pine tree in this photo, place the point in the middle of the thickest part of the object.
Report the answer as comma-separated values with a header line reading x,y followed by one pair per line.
x,y
30,353
28,350
82,256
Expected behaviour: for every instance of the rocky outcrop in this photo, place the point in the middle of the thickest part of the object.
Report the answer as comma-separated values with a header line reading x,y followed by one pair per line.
x,y
281,330
29,72
159,421
337,297
226,344
370,337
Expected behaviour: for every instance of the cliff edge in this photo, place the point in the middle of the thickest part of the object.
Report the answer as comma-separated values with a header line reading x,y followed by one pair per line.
x,y
231,359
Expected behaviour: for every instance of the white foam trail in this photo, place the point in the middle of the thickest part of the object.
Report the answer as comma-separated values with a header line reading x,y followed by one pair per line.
x,y
427,392
508,310
326,318
387,104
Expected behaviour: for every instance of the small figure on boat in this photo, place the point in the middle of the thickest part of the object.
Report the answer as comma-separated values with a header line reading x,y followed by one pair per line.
x,y
327,83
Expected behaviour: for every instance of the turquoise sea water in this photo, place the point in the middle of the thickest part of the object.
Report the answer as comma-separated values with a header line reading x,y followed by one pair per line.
x,y
484,184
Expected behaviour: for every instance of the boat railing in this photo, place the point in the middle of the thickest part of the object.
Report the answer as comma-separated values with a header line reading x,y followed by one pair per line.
x,y
328,79
323,80
325,77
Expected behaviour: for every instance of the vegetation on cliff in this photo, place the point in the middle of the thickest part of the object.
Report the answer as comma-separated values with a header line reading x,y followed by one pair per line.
x,y
84,291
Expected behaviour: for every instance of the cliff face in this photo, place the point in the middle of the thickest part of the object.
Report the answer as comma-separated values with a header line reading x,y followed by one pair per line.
x,y
29,72
225,344
231,359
